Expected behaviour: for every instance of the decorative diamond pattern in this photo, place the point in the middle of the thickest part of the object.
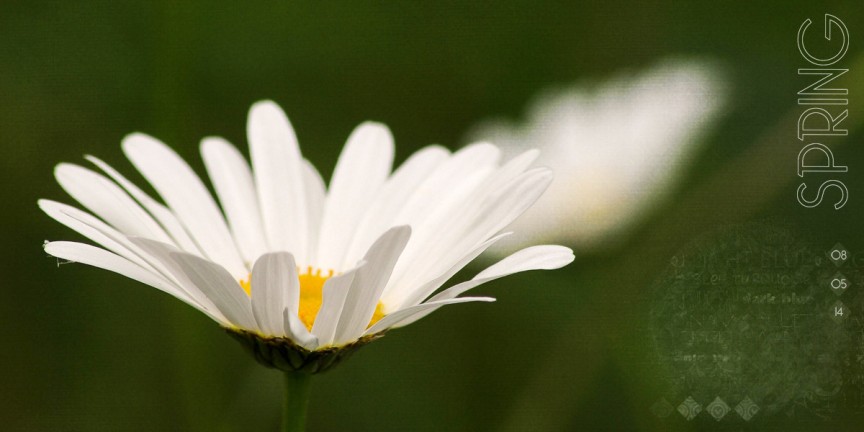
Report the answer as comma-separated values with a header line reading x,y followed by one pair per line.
x,y
717,408
747,408
662,408
689,408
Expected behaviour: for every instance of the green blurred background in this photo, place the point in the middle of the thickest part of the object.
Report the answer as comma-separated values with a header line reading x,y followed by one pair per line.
x,y
84,349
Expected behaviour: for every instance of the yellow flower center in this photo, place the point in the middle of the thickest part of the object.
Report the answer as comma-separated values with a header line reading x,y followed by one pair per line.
x,y
311,296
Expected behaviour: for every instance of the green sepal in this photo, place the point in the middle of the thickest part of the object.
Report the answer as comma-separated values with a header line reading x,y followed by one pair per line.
x,y
287,356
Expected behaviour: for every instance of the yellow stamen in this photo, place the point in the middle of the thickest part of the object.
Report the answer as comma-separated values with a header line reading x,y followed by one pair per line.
x,y
246,284
311,295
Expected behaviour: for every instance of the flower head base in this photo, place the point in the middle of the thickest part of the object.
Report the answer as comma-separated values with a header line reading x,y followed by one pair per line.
x,y
388,240
283,354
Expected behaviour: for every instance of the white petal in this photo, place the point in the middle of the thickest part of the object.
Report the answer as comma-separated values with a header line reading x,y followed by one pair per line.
x,y
188,198
541,257
220,287
400,299
369,282
544,257
453,175
451,235
362,168
275,288
98,257
278,170
434,204
490,212
232,179
496,209
522,192
316,194
95,230
298,332
507,173
391,198
334,293
171,270
108,201
402,317
167,219
127,247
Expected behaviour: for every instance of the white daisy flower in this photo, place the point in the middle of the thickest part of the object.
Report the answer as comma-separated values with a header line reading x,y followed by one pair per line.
x,y
616,148
298,271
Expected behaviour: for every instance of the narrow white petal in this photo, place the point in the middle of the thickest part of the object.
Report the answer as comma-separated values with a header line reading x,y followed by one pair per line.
x,y
231,177
187,197
167,219
135,249
220,287
171,270
316,194
369,282
505,174
481,216
108,201
362,168
402,317
278,170
111,239
520,193
95,230
101,258
391,198
334,293
436,205
298,332
496,210
453,175
275,288
541,257
490,212
400,299
544,257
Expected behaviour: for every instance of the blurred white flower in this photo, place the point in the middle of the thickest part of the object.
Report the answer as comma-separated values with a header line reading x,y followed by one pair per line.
x,y
616,147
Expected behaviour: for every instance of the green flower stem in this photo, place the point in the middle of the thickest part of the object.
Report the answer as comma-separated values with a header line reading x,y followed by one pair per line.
x,y
295,402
